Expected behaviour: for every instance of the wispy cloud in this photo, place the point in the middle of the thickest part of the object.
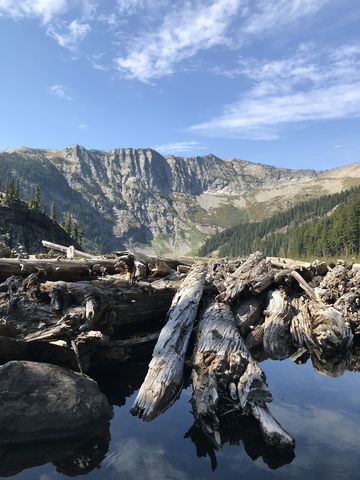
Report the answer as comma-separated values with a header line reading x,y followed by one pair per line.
x,y
51,14
60,91
130,7
69,35
46,10
310,86
179,147
265,15
182,34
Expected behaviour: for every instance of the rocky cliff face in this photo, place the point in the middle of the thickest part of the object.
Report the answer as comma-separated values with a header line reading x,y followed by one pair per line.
x,y
22,227
162,204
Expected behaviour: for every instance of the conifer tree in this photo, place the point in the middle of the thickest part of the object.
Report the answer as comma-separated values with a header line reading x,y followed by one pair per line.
x,y
53,212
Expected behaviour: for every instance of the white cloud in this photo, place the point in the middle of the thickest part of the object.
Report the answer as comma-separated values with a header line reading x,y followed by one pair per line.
x,y
60,91
130,459
182,34
130,7
69,34
179,147
269,14
46,10
312,85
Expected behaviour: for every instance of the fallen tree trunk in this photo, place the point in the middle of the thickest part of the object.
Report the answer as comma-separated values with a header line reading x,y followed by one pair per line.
x,y
56,269
164,377
225,378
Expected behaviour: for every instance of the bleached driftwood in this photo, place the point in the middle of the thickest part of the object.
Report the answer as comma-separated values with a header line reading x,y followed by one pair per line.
x,y
62,248
225,378
164,377
273,432
277,325
254,276
330,332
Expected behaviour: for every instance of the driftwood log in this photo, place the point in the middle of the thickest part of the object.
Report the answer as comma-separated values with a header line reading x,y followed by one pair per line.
x,y
226,380
95,312
165,374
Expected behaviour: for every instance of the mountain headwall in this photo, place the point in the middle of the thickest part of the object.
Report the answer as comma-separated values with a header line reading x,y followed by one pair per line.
x,y
128,196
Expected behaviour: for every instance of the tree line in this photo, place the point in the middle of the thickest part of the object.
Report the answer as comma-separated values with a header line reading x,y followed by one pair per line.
x,y
307,229
11,197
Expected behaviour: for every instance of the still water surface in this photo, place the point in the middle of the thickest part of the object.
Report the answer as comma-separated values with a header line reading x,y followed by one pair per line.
x,y
322,413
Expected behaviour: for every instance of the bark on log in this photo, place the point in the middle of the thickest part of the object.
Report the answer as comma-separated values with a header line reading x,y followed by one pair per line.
x,y
225,378
164,377
277,326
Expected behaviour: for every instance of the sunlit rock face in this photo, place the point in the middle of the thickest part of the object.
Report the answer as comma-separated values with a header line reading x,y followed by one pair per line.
x,y
128,196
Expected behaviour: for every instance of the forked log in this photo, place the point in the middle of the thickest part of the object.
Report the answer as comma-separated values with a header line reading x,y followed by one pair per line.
x,y
165,374
277,325
225,378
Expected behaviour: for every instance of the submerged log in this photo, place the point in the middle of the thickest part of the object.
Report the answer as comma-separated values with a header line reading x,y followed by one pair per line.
x,y
164,377
225,378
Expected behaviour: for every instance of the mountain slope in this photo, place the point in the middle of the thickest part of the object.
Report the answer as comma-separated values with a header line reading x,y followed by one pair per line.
x,y
288,233
20,226
162,204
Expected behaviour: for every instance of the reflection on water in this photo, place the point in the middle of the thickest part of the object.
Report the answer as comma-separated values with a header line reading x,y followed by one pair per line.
x,y
321,411
70,457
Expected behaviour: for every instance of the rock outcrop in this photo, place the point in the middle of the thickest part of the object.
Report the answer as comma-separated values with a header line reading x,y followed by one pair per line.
x,y
20,226
41,401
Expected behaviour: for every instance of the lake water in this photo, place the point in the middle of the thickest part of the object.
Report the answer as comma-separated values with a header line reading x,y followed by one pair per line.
x,y
321,412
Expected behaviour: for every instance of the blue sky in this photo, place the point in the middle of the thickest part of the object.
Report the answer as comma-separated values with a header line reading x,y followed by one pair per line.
x,y
271,81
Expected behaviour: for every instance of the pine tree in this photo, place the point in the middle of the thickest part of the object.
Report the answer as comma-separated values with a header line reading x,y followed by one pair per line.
x,y
53,212
10,195
35,201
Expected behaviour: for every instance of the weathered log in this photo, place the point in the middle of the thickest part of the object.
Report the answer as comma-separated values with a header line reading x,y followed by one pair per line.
x,y
55,269
120,351
62,248
254,276
273,432
249,314
277,325
225,378
301,327
164,377
330,331
255,338
117,304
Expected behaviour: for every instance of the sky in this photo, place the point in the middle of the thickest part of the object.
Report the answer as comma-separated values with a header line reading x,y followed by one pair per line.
x,y
270,81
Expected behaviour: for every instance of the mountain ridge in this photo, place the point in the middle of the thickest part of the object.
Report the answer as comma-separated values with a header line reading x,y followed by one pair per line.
x,y
163,204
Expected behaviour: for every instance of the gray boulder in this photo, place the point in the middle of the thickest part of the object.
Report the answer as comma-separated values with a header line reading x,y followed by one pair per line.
x,y
41,401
